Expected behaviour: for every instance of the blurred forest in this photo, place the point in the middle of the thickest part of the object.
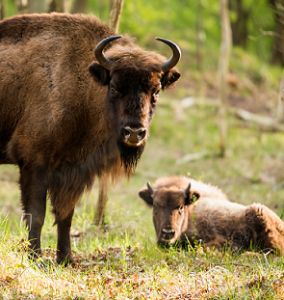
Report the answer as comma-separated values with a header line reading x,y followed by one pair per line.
x,y
183,140
256,59
257,25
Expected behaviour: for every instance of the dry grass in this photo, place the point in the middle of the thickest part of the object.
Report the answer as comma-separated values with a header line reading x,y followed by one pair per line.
x,y
122,260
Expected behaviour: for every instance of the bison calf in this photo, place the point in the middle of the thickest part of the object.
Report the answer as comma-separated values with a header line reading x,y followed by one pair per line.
x,y
178,217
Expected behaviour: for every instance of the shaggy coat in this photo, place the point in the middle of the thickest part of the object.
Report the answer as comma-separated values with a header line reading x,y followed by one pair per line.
x,y
61,112
206,215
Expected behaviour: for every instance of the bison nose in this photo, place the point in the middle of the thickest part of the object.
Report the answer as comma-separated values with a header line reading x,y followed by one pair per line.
x,y
168,234
133,135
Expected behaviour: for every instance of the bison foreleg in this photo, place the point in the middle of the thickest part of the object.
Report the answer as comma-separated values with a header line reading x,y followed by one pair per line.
x,y
33,183
64,254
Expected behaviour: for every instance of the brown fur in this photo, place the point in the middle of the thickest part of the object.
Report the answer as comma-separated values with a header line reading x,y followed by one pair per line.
x,y
211,219
58,120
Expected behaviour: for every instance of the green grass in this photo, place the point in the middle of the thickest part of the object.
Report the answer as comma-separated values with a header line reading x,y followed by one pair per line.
x,y
123,260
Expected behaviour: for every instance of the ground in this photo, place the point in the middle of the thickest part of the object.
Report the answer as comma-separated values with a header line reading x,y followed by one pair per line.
x,y
122,260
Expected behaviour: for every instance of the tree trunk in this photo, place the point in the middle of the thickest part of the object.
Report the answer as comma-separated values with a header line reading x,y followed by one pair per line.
x,y
116,8
79,6
22,6
223,70
277,55
240,25
200,36
36,6
2,13
59,6
102,200
280,105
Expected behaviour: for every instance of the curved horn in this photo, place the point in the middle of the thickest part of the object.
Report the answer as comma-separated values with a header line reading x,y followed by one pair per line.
x,y
150,189
186,191
101,58
166,66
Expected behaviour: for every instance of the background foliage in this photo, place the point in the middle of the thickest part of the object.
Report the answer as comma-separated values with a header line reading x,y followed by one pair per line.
x,y
121,260
186,21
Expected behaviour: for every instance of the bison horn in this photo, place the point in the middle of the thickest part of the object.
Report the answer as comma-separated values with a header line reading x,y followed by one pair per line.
x,y
101,58
166,66
186,191
150,189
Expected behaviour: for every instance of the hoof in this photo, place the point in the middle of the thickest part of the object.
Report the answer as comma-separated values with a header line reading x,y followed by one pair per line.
x,y
64,259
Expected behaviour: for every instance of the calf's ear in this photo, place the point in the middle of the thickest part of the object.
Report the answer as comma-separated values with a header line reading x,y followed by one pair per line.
x,y
194,197
146,195
170,77
99,73
190,197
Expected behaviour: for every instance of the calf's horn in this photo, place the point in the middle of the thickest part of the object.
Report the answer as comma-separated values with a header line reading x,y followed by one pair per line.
x,y
166,66
101,58
150,189
186,191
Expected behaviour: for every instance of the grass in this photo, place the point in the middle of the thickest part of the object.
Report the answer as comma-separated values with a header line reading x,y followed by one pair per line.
x,y
122,261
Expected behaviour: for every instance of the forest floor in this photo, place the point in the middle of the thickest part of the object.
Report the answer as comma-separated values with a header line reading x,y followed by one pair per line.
x,y
121,260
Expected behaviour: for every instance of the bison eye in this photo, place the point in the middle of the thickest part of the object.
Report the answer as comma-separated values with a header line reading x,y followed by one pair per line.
x,y
154,206
155,97
113,91
156,94
181,208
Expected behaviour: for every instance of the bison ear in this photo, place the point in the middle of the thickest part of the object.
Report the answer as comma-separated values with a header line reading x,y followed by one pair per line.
x,y
99,73
170,77
145,194
193,197
190,197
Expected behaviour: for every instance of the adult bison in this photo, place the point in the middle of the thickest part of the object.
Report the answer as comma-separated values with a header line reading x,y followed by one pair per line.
x,y
212,218
68,114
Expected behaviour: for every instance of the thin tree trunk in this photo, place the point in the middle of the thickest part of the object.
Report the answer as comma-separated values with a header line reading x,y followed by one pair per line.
x,y
280,105
277,53
200,36
22,6
79,6
240,31
116,8
2,13
59,6
199,47
102,200
36,6
223,70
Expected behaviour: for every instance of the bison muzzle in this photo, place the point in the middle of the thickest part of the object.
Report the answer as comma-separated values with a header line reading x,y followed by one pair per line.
x,y
69,114
188,211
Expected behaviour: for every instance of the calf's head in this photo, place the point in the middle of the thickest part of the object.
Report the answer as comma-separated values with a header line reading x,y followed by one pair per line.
x,y
134,78
169,210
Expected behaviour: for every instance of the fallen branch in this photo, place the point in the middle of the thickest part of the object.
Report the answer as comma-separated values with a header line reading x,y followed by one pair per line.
x,y
265,123
192,157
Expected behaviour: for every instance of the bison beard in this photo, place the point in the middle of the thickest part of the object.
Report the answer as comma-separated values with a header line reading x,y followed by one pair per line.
x,y
130,156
